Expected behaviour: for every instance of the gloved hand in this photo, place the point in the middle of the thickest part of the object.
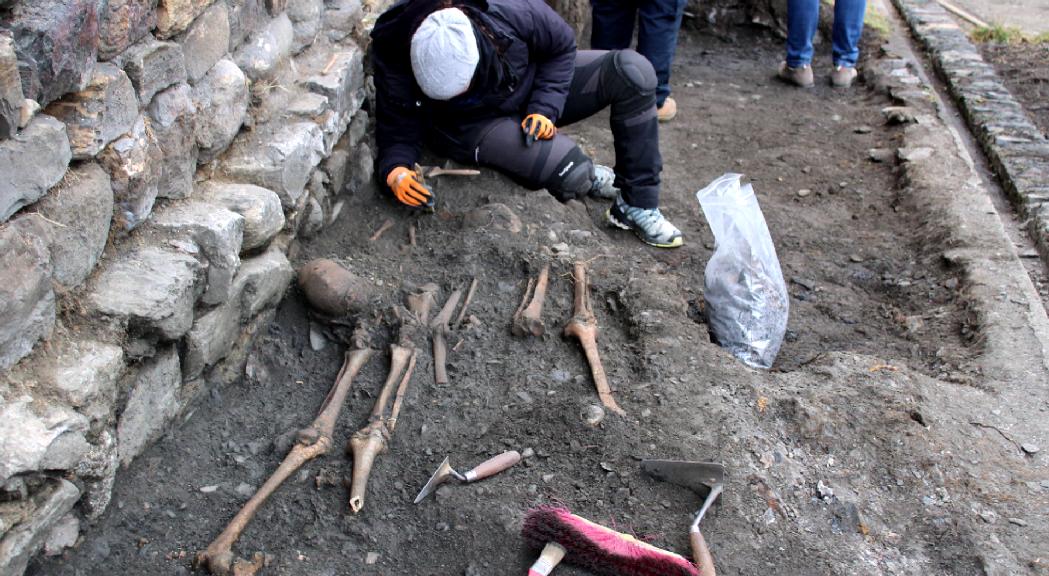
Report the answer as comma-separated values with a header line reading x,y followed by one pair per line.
x,y
408,189
537,127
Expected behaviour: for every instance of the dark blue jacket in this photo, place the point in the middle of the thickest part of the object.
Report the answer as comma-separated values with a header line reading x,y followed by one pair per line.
x,y
532,57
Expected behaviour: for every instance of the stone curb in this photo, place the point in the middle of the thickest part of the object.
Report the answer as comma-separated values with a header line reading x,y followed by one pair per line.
x,y
1017,150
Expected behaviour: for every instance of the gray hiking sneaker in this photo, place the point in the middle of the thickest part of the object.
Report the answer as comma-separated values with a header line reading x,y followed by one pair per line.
x,y
800,76
604,183
649,224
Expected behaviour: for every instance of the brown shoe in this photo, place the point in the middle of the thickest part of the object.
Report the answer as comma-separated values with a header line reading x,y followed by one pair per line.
x,y
797,76
842,76
667,111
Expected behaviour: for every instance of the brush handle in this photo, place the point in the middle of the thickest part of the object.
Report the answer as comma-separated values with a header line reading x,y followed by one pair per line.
x,y
701,553
548,560
493,466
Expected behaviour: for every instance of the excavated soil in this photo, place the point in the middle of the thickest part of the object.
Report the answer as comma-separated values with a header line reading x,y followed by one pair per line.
x,y
1025,69
854,455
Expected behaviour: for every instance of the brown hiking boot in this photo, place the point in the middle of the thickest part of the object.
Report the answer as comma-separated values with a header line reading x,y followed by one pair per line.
x,y
797,76
842,76
667,111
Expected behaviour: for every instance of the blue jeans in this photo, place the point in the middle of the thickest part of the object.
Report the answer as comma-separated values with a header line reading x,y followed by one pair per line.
x,y
802,19
658,23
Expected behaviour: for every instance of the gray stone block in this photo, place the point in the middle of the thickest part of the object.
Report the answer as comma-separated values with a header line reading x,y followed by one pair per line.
x,y
343,85
11,97
153,290
281,160
174,116
27,301
122,23
97,470
260,208
134,162
65,452
244,19
64,535
32,163
341,17
262,55
84,374
217,232
99,113
153,66
151,405
175,16
57,43
206,41
211,338
29,428
305,18
361,168
77,215
262,281
222,105
50,504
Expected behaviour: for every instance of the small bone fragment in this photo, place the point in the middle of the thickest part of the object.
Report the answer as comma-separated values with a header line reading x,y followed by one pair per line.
x,y
422,302
530,319
469,296
374,437
583,326
378,233
313,441
439,327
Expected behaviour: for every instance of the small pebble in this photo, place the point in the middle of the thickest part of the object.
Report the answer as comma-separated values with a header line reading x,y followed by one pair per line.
x,y
593,414
548,477
1018,521
1030,448
527,453
209,489
646,412
371,558
804,192
856,258
862,129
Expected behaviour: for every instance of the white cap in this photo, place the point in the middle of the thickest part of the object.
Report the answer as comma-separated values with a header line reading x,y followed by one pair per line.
x,y
444,54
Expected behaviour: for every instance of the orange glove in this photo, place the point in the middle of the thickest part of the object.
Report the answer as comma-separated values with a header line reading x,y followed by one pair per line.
x,y
537,127
408,189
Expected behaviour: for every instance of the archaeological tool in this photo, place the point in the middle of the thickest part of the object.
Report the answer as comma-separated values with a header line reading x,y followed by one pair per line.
x,y
490,467
704,478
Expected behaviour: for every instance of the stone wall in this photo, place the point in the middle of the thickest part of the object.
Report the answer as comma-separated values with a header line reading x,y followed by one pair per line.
x,y
158,159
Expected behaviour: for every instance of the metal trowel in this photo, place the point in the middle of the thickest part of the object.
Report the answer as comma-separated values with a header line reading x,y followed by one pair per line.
x,y
490,467
704,478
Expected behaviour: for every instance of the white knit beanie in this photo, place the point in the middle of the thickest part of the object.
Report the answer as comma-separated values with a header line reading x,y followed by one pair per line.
x,y
444,54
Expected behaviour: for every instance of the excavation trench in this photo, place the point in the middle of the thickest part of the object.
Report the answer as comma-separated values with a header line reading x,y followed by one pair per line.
x,y
828,454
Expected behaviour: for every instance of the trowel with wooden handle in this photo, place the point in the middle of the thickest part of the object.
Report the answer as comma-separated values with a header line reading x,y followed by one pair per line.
x,y
490,467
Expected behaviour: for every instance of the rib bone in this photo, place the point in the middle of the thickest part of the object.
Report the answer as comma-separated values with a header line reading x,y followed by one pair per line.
x,y
583,326
373,438
439,326
530,319
313,441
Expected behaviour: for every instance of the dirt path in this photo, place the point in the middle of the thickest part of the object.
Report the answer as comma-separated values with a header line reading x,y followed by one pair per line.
x,y
848,458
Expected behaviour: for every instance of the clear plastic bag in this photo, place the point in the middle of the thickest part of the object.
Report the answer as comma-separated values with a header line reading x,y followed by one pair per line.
x,y
747,301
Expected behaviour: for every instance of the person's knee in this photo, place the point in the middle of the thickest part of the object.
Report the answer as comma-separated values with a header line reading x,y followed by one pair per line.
x,y
572,177
635,71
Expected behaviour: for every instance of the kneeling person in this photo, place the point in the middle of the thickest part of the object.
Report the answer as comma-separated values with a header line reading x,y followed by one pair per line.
x,y
490,82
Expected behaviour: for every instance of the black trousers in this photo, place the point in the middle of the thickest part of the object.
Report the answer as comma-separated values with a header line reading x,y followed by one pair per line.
x,y
621,79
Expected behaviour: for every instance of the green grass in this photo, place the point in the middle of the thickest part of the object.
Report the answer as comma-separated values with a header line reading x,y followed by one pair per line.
x,y
875,20
998,33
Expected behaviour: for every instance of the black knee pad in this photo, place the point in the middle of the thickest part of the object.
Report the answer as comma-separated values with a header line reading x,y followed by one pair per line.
x,y
635,70
573,176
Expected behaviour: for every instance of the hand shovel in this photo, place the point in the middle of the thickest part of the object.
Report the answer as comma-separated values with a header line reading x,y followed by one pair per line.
x,y
490,467
704,478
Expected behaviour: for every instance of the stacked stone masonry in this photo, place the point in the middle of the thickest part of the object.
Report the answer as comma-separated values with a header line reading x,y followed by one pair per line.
x,y
152,180
1017,150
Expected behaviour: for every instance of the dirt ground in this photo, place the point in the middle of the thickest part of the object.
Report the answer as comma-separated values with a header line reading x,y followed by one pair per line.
x,y
1025,69
855,455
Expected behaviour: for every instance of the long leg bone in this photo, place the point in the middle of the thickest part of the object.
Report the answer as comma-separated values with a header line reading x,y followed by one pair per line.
x,y
313,441
530,319
466,303
439,326
583,326
372,440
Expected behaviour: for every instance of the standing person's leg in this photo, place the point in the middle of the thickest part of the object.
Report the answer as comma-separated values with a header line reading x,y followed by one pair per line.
x,y
848,26
802,19
612,24
658,25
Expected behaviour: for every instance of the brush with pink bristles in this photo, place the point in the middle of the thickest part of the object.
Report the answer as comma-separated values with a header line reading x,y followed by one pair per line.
x,y
600,550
